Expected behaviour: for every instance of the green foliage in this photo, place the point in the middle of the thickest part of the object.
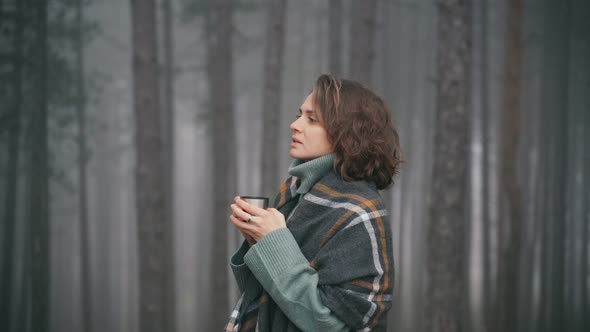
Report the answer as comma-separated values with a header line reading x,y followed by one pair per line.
x,y
61,77
63,28
192,9
18,53
63,33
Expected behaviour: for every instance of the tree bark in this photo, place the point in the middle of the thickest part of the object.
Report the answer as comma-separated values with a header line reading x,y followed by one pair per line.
x,y
13,152
272,96
579,209
85,293
510,211
555,96
168,130
168,107
487,299
578,87
362,40
156,268
585,237
39,185
581,26
446,283
220,76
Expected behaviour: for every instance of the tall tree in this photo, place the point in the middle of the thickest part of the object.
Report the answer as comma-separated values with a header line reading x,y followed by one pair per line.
x,y
510,213
219,26
13,153
580,195
167,110
273,67
335,26
82,178
362,39
555,145
154,229
168,129
485,166
39,178
446,268
578,106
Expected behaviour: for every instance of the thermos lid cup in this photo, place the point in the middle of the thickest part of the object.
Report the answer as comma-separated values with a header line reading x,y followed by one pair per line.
x,y
258,201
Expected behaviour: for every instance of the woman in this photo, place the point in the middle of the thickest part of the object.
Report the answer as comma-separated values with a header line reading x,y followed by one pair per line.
x,y
321,259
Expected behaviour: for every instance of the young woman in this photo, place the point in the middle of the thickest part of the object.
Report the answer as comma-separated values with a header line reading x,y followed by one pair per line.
x,y
321,259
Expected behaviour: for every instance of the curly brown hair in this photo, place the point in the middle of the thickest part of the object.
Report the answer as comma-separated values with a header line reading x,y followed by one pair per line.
x,y
360,129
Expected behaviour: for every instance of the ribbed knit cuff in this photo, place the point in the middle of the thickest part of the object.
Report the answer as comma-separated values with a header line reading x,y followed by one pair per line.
x,y
273,254
239,267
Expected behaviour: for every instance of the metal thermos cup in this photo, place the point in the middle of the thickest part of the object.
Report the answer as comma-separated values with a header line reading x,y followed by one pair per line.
x,y
261,202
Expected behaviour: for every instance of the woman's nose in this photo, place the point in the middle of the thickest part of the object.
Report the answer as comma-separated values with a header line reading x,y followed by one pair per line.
x,y
295,125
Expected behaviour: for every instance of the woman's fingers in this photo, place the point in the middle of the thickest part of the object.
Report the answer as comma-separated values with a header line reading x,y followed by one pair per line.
x,y
243,228
240,224
249,230
249,208
261,222
238,212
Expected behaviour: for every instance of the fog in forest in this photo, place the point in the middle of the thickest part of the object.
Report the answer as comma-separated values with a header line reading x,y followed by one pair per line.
x,y
127,127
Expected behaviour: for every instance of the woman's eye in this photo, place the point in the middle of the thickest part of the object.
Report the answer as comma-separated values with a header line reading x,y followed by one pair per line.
x,y
309,118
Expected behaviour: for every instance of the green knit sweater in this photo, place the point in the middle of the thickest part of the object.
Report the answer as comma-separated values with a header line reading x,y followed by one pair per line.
x,y
286,279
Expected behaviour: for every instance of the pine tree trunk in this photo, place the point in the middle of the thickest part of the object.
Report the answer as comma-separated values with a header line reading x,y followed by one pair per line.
x,y
168,112
85,293
39,185
581,26
487,296
555,96
168,130
13,152
446,283
23,281
154,229
510,212
485,193
362,40
579,210
579,104
23,299
585,237
220,77
534,168
272,96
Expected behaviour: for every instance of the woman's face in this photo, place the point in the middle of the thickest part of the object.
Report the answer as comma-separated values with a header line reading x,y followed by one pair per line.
x,y
310,139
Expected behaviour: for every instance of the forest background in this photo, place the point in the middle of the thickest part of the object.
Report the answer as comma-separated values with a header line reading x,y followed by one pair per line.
x,y
126,128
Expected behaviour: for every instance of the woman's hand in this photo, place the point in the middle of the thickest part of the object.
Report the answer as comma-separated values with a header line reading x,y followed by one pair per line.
x,y
253,222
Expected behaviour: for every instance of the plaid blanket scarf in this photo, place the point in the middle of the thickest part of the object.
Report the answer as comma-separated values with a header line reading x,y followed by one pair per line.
x,y
341,230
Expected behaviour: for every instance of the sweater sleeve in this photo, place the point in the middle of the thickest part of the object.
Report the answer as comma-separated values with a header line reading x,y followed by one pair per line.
x,y
239,268
284,272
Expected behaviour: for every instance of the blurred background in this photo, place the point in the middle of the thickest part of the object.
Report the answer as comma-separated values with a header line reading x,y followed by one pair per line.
x,y
127,127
